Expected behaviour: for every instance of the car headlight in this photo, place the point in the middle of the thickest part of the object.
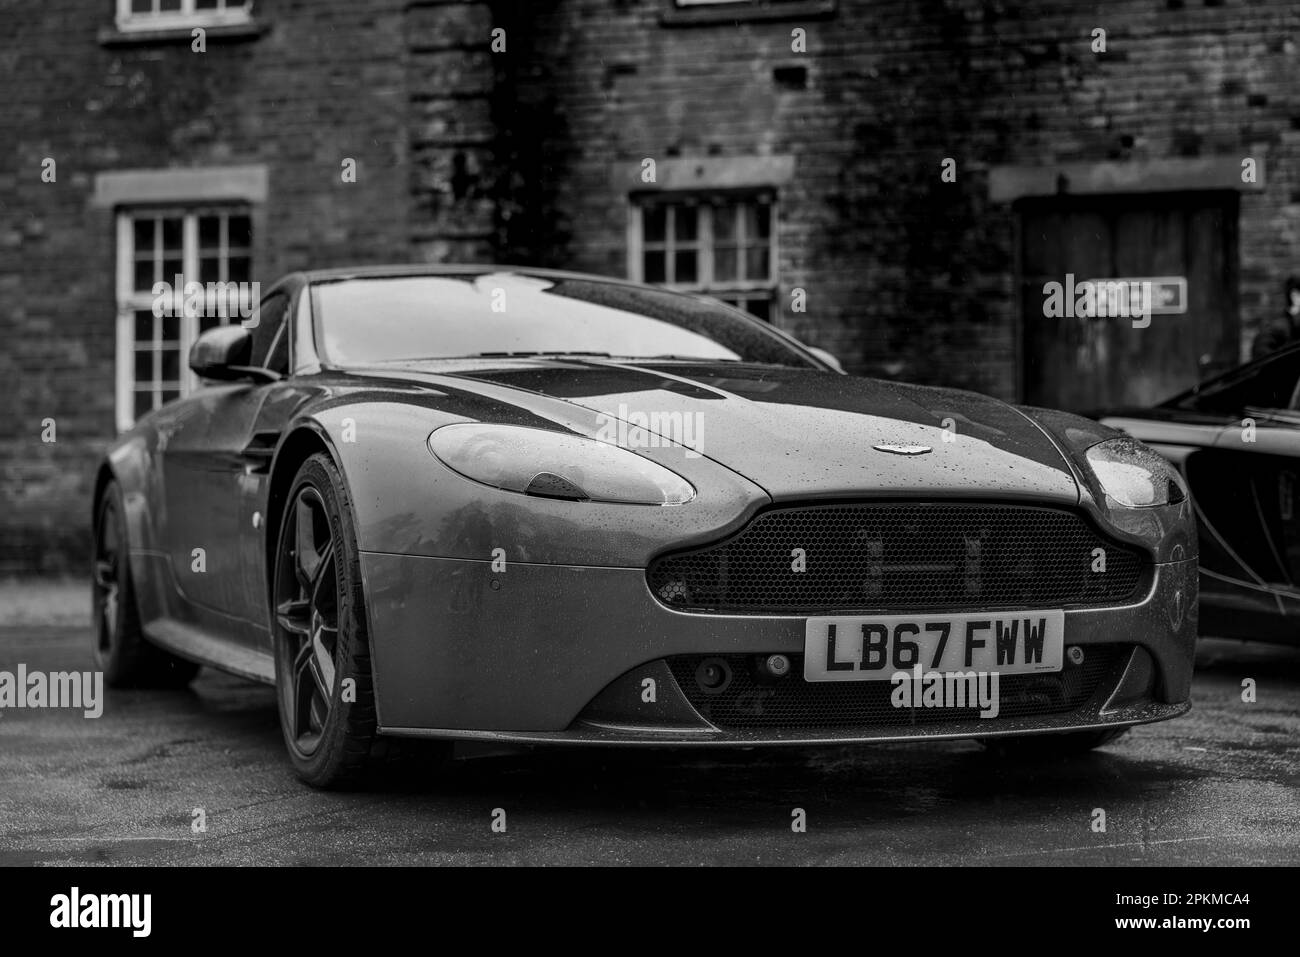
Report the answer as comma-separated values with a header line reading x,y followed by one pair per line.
x,y
556,465
1134,475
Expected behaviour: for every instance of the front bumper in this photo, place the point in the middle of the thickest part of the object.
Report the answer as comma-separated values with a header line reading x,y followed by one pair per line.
x,y
558,653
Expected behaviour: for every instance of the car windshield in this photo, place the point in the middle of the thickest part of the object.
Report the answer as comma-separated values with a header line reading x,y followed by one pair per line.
x,y
394,318
1268,383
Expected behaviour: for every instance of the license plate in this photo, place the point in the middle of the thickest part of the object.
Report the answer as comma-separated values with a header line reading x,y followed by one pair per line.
x,y
875,647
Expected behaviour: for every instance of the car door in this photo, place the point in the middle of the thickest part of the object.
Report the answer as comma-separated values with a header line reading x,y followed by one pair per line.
x,y
211,467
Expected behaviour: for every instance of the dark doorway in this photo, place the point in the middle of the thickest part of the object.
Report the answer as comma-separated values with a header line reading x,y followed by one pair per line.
x,y
1091,363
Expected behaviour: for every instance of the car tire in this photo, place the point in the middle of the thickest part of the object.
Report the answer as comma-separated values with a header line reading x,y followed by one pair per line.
x,y
120,648
324,685
1060,744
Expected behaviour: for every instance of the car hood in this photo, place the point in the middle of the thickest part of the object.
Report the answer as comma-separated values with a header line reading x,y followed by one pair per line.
x,y
795,433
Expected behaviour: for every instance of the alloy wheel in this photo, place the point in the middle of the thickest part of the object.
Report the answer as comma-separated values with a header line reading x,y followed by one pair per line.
x,y
307,617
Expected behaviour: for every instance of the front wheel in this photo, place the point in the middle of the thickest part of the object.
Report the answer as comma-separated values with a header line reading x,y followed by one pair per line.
x,y
322,649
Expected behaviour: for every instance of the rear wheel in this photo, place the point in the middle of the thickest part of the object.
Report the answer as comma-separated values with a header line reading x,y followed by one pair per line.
x,y
121,650
1061,744
322,650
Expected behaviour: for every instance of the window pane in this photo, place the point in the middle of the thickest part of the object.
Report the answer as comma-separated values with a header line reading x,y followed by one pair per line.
x,y
170,395
684,266
684,225
144,274
171,365
143,402
172,268
143,325
172,232
241,232
144,364
653,268
238,269
209,269
278,360
724,263
209,232
654,223
270,318
758,221
141,6
724,223
171,328
205,4
759,307
756,263
171,6
142,233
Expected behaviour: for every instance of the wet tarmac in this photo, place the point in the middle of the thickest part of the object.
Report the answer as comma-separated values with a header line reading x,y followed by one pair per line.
x,y
1219,786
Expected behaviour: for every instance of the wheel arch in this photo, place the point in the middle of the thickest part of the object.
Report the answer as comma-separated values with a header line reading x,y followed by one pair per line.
x,y
124,463
103,475
299,445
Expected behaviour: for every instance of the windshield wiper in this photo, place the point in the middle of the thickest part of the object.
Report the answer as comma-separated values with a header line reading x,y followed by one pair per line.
x,y
673,356
599,355
545,352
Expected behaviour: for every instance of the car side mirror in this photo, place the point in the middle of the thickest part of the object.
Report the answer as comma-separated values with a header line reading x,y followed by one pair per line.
x,y
827,358
225,353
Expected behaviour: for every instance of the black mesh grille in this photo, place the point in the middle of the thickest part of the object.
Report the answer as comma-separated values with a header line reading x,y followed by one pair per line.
x,y
900,556
791,702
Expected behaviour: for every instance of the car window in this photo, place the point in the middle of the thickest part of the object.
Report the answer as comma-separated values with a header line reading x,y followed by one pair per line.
x,y
1271,383
270,319
399,318
277,360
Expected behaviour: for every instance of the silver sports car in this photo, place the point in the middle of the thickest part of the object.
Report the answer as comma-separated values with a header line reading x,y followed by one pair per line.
x,y
437,504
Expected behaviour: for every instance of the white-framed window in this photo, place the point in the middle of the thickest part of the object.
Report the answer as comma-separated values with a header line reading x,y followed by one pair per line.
x,y
204,244
723,245
181,14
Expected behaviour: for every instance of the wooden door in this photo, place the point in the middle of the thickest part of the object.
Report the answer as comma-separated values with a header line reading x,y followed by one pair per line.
x,y
1084,364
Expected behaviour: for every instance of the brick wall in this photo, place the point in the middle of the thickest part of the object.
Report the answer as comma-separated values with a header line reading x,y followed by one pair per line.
x,y
908,275
323,83
467,154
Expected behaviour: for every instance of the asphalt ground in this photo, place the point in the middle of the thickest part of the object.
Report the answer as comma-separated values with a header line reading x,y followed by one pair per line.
x,y
1218,786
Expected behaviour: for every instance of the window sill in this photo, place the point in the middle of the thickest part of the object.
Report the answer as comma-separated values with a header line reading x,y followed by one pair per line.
x,y
113,37
712,14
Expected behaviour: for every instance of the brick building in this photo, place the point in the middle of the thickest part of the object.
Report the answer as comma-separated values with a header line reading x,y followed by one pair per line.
x,y
798,150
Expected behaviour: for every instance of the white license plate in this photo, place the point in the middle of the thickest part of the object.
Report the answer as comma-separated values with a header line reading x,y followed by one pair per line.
x,y
875,647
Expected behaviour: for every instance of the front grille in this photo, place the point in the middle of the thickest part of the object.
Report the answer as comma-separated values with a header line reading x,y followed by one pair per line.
x,y
819,559
791,702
